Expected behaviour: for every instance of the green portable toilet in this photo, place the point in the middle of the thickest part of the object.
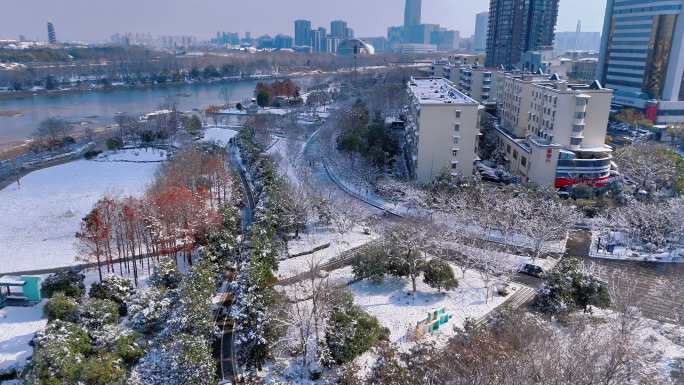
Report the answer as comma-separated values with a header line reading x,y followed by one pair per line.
x,y
32,288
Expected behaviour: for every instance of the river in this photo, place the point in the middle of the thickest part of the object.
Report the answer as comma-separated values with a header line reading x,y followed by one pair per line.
x,y
97,108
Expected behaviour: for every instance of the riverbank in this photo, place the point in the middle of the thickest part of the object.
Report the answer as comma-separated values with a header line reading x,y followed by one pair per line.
x,y
15,95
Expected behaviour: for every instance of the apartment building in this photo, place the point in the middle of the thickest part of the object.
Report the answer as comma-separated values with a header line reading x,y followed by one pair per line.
x,y
442,129
553,132
476,82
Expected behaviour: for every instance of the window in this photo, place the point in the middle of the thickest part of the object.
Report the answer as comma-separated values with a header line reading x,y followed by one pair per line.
x,y
458,114
456,139
581,102
523,161
454,165
454,153
575,141
457,127
515,154
508,148
580,115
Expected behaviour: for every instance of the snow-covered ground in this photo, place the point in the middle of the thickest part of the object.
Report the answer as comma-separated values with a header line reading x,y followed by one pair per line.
x,y
508,259
288,155
220,136
624,253
17,327
139,155
664,342
39,218
267,110
400,311
308,241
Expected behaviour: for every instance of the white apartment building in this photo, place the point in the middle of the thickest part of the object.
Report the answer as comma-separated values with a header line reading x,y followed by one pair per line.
x,y
476,82
443,126
552,132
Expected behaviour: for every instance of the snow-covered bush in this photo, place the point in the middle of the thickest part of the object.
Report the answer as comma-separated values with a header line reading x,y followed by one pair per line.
x,y
166,275
351,332
61,307
148,311
96,313
101,369
114,288
371,264
59,352
186,360
193,313
439,275
568,289
120,340
222,241
68,282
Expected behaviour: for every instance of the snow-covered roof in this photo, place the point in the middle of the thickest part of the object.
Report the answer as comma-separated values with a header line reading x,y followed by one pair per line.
x,y
11,281
438,91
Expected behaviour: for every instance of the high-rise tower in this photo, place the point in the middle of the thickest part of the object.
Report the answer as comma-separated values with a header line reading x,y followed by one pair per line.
x,y
302,32
519,26
642,56
481,25
52,36
412,13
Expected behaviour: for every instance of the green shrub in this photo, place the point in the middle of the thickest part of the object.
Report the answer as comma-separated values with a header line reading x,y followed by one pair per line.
x,y
166,275
371,265
114,144
104,369
439,275
61,307
114,288
129,349
68,282
95,313
59,352
567,289
92,154
351,332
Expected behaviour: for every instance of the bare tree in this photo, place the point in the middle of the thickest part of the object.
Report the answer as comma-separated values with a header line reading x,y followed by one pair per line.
x,y
51,132
669,290
308,313
543,219
653,167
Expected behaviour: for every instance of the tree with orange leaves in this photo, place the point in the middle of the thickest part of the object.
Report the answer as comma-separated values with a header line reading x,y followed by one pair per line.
x,y
93,238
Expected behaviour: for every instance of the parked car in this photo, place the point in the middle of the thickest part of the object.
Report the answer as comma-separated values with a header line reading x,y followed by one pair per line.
x,y
532,270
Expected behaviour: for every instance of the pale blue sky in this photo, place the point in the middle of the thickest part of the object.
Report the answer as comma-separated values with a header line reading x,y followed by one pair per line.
x,y
98,19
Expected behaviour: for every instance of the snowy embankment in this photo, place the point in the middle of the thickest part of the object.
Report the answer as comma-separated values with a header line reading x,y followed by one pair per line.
x,y
309,241
39,217
621,252
218,135
17,327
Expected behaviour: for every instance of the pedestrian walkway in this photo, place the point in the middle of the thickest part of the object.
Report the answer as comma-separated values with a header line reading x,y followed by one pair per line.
x,y
360,194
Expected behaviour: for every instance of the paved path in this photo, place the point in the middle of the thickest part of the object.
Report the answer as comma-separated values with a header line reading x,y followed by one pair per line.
x,y
356,194
248,210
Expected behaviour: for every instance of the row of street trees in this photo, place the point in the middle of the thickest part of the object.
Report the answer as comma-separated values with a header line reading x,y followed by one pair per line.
x,y
533,219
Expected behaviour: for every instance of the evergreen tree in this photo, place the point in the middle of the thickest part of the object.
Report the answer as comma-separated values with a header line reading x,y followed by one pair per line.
x,y
439,275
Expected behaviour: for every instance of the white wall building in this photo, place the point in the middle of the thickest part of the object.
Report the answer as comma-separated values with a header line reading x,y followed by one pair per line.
x,y
552,132
442,129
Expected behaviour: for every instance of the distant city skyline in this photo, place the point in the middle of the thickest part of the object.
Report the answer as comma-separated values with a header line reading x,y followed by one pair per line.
x,y
80,20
